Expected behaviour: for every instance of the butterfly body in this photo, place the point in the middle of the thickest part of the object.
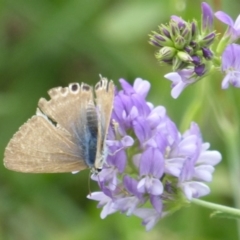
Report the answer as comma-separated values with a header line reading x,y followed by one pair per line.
x,y
68,132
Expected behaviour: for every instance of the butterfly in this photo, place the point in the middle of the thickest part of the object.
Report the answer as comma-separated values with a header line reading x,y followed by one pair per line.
x,y
68,132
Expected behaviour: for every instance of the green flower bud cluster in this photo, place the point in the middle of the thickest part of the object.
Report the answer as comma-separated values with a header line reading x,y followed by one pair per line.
x,y
182,45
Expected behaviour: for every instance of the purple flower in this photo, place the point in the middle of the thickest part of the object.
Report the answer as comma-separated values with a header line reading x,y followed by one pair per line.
x,y
116,161
150,217
180,80
105,201
231,66
198,167
233,27
129,203
207,17
130,102
150,163
179,152
151,169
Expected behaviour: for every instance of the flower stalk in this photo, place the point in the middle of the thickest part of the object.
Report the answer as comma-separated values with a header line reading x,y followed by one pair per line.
x,y
229,211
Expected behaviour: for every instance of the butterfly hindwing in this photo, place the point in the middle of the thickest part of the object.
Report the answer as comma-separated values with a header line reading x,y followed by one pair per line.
x,y
41,147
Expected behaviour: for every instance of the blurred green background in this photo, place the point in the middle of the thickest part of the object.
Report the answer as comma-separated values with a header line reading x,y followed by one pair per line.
x,y
49,43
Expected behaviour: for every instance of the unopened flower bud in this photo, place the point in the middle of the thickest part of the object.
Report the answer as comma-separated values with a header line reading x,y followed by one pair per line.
x,y
164,30
200,69
179,42
179,21
184,56
196,60
174,29
189,50
154,43
194,29
207,53
177,63
160,39
187,35
193,44
166,53
208,40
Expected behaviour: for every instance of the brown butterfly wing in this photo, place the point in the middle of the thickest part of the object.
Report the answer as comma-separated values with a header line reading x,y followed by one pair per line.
x,y
68,106
104,90
40,146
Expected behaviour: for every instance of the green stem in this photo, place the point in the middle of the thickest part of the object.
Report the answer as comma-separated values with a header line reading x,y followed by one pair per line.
x,y
229,210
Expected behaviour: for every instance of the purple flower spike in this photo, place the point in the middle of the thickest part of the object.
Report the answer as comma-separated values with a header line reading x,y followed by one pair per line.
x,y
150,162
180,80
181,49
207,17
231,66
234,27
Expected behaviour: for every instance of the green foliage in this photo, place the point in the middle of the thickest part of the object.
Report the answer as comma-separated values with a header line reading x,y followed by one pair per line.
x,y
47,43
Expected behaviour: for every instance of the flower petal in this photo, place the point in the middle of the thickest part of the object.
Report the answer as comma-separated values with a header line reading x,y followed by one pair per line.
x,y
177,90
225,82
204,173
156,203
141,87
207,19
156,187
209,157
195,189
225,18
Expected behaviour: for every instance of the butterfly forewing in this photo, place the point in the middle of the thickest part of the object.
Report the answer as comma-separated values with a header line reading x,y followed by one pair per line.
x,y
104,90
67,106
